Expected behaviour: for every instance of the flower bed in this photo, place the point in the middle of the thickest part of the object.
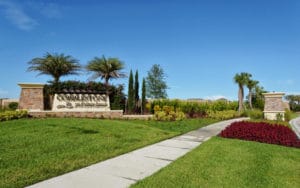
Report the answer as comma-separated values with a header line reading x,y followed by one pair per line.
x,y
262,132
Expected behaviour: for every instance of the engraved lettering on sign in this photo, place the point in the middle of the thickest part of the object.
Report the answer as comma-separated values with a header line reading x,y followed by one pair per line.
x,y
80,102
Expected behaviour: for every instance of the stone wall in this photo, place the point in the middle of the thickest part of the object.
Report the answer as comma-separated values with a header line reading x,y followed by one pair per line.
x,y
31,97
114,114
273,106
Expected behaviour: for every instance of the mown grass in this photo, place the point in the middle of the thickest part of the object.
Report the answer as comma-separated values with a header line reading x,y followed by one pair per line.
x,y
32,150
222,162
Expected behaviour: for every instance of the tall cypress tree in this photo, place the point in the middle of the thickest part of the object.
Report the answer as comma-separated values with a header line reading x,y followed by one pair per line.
x,y
136,92
130,101
143,106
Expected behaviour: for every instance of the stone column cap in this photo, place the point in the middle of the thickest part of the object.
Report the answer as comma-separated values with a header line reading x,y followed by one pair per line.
x,y
31,85
274,94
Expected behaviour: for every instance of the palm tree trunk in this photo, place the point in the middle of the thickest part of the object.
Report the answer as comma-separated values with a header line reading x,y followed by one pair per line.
x,y
107,90
56,80
241,97
250,99
106,87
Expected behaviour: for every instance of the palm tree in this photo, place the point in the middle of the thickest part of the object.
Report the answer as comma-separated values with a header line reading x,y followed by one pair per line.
x,y
106,68
55,65
241,79
250,85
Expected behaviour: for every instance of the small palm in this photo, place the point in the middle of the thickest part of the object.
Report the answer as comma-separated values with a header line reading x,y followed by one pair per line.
x,y
106,68
55,65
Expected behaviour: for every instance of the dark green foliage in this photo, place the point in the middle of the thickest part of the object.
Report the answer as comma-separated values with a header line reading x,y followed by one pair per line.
x,y
130,100
255,114
294,101
143,105
55,65
13,105
117,98
251,84
258,101
136,93
155,83
287,115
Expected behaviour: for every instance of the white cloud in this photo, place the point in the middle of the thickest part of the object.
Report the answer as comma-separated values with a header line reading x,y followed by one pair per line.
x,y
16,15
48,10
215,97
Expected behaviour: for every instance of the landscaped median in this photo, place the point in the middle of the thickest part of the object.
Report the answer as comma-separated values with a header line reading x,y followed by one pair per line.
x,y
32,150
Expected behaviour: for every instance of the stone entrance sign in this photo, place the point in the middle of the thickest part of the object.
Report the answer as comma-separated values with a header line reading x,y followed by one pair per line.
x,y
80,102
273,105
32,97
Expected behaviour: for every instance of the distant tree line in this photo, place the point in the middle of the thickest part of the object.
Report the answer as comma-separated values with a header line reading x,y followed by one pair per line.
x,y
294,102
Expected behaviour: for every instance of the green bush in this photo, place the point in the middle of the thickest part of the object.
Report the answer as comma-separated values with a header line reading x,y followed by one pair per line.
x,y
167,113
287,115
223,115
279,117
9,115
255,114
13,105
195,109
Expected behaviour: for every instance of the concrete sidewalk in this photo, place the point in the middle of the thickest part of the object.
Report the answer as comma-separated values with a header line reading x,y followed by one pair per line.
x,y
124,170
295,123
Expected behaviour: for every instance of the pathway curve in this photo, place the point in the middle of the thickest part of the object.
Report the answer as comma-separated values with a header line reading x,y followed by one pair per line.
x,y
126,169
295,123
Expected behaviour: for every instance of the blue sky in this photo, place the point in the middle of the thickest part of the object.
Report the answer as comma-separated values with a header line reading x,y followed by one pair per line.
x,y
200,44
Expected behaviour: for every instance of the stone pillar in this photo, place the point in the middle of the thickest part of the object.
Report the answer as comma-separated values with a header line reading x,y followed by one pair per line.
x,y
273,105
32,96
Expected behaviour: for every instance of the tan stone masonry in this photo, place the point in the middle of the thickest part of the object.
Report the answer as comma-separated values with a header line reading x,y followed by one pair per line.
x,y
32,97
273,105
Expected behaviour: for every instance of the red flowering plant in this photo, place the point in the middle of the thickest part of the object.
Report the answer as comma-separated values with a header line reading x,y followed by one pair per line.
x,y
262,132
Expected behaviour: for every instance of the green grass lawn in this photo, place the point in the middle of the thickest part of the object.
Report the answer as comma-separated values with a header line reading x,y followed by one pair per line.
x,y
32,150
222,162
295,115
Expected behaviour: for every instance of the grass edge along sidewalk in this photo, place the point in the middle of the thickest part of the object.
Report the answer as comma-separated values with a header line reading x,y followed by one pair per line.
x,y
124,170
33,150
223,162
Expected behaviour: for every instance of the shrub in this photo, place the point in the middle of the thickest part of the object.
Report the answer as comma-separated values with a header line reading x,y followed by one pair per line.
x,y
167,113
287,115
279,117
255,114
13,105
223,115
262,132
9,115
194,109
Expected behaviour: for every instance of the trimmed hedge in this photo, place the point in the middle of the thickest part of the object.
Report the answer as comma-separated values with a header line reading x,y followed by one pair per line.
x,y
168,113
262,132
9,115
223,115
195,109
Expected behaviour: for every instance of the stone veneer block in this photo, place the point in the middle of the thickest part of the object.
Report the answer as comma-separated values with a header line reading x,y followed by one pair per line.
x,y
31,97
114,114
273,105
